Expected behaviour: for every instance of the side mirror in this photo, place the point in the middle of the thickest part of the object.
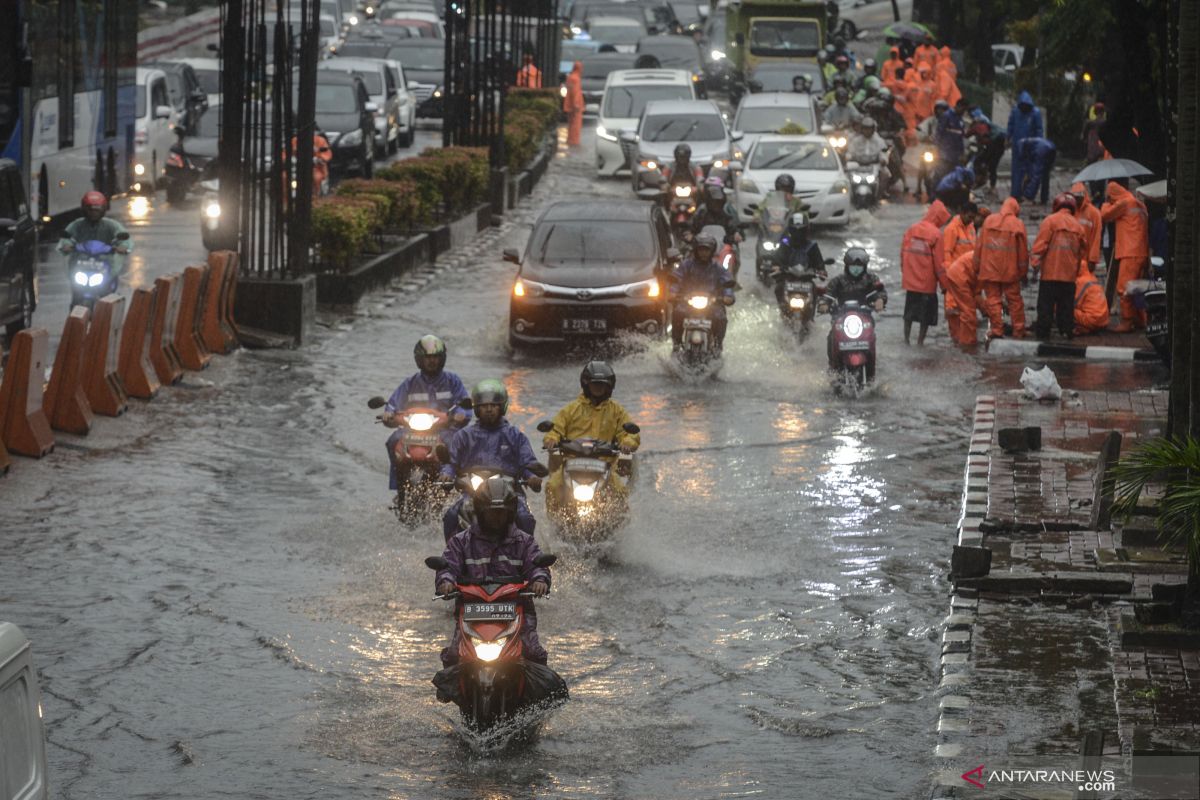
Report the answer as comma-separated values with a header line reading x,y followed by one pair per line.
x,y
372,108
629,137
443,453
511,255
376,402
545,426
828,261
162,112
539,469
630,427
736,166
437,562
736,136
544,560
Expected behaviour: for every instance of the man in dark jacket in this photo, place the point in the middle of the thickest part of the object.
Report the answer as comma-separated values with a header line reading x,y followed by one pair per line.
x,y
700,274
796,254
1024,122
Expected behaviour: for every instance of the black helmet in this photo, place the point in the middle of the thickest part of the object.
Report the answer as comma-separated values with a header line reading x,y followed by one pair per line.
x,y
490,391
496,493
856,257
716,193
869,66
785,183
704,240
842,95
597,372
941,106
798,224
430,345
683,152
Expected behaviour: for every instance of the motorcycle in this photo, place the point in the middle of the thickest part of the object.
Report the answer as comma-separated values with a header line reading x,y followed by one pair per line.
x,y
866,184
681,206
415,458
727,254
473,477
851,348
1150,295
926,164
838,139
798,291
588,504
492,683
699,346
94,268
772,225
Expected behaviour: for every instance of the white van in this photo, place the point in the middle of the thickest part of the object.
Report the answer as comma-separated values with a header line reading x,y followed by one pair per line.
x,y
626,93
22,740
153,130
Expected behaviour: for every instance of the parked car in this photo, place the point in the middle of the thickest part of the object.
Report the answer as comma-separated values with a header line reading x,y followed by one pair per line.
x,y
396,116
591,268
666,123
346,115
208,72
768,113
18,252
188,97
153,129
626,93
596,69
810,160
622,33
425,70
22,736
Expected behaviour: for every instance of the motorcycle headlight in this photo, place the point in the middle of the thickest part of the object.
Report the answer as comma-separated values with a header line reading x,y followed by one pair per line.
x,y
603,133
699,302
852,326
796,302
420,422
476,481
717,55
869,178
718,164
683,191
856,178
562,91
437,92
770,246
927,156
212,209
650,165
95,279
351,138
81,278
584,492
488,651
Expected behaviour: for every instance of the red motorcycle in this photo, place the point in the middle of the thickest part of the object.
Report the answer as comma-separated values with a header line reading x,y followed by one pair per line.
x,y
414,456
492,682
851,347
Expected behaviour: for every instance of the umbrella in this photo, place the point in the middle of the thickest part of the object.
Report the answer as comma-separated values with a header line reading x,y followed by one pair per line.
x,y
1154,191
1112,169
912,31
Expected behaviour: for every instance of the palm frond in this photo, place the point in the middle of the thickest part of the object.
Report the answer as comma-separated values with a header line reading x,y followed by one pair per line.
x,y
1176,463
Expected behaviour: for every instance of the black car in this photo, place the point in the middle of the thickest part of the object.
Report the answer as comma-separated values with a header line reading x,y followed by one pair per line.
x,y
591,268
18,253
675,52
187,94
345,115
596,68
425,69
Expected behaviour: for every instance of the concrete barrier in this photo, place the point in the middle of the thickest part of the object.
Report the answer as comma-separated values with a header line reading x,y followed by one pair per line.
x,y
193,355
218,336
67,405
5,461
24,428
101,381
167,291
134,366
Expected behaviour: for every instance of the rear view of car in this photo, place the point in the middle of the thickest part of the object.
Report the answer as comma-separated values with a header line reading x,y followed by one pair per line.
x,y
625,96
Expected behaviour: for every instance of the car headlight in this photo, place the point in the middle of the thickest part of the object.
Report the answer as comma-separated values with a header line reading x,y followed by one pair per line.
x,y
139,169
81,278
476,481
747,185
488,651
95,279
698,302
351,139
852,326
603,133
437,92
717,55
526,289
353,19
420,422
770,246
212,209
584,492
796,302
648,288
840,185
562,91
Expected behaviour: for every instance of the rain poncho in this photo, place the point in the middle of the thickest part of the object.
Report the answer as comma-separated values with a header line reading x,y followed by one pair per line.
x,y
1001,248
83,230
1059,247
1022,123
693,277
865,151
1088,216
957,238
1038,156
442,392
499,447
1091,306
921,256
583,419
841,116
949,137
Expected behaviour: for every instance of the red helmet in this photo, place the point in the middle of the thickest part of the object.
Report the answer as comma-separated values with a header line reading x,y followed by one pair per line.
x,y
94,199
1067,201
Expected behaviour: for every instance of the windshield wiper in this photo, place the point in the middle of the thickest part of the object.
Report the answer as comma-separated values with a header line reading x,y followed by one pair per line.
x,y
774,161
688,132
654,136
545,245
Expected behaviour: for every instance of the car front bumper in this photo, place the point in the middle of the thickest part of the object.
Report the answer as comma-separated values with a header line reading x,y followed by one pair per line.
x,y
541,319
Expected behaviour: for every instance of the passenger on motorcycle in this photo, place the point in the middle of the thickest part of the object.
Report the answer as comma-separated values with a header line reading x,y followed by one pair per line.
x,y
95,227
431,387
716,210
841,115
495,545
796,254
855,283
682,171
700,273
592,415
491,443
865,146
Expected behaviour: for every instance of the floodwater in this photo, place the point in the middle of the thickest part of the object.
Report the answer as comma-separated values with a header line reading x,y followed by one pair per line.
x,y
222,604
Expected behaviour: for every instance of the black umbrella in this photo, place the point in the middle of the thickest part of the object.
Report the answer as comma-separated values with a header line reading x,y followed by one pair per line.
x,y
912,31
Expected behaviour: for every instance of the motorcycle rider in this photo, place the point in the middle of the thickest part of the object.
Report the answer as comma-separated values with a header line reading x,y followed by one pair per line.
x,y
954,189
682,171
855,283
841,115
796,254
491,443
592,415
865,146
950,139
716,210
785,193
890,124
495,544
700,273
95,227
430,387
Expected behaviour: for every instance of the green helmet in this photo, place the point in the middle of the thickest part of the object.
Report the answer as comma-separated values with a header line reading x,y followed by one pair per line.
x,y
430,345
871,83
490,390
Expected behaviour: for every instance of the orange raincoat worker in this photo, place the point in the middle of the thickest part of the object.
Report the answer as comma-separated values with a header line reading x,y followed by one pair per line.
x,y
923,269
962,285
926,52
573,103
921,93
958,237
1057,252
1131,250
1001,261
1091,306
529,76
888,70
1088,216
946,79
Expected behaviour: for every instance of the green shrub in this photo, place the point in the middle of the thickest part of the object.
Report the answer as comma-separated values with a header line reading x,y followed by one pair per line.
x,y
341,228
403,208
425,176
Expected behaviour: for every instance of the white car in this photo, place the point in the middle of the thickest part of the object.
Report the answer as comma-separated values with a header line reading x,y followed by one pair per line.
x,y
626,93
208,72
153,129
769,112
813,164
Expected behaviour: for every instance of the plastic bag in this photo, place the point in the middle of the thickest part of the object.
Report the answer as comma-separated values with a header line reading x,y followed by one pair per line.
x,y
1041,384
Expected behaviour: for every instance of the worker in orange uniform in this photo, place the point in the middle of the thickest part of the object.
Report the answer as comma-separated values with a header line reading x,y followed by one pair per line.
x,y
529,76
1131,250
926,52
962,284
945,79
1001,261
1057,253
573,103
894,62
1091,306
923,269
958,237
1088,216
921,92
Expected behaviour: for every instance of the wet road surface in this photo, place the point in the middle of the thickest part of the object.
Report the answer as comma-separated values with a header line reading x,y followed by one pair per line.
x,y
222,604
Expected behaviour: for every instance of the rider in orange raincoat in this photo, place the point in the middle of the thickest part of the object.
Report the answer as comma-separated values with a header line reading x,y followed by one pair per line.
x,y
573,103
1088,216
1132,248
1091,306
1001,261
1059,249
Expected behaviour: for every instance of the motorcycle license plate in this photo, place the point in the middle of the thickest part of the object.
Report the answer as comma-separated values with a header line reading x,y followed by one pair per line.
x,y
698,324
421,440
486,612
800,288
1155,328
854,346
585,325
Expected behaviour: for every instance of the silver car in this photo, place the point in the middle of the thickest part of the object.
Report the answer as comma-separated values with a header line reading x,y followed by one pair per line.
x,y
380,81
667,123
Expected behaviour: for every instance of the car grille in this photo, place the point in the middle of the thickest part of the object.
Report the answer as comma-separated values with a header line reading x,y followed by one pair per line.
x,y
422,92
807,194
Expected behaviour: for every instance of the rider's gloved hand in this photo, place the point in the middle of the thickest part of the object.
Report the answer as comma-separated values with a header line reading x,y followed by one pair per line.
x,y
534,483
548,442
626,449
879,305
539,588
445,587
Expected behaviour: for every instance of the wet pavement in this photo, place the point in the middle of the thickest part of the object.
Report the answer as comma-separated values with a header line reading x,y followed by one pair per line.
x,y
222,604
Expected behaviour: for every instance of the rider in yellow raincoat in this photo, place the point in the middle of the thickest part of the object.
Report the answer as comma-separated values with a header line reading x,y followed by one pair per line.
x,y
592,415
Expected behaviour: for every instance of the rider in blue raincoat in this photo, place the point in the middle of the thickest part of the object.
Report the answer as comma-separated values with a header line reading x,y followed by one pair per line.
x,y
700,274
431,387
491,443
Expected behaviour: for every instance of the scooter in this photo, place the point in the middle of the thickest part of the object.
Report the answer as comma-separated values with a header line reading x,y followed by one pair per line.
x,y
588,506
699,346
492,683
851,348
1150,295
414,456
798,291
474,477
926,163
772,225
681,206
865,184
95,270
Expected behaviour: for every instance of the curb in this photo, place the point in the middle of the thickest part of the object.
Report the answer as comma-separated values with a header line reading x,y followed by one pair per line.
x,y
1017,347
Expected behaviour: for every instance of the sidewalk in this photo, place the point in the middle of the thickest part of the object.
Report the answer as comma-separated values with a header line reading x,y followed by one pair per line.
x,y
1045,664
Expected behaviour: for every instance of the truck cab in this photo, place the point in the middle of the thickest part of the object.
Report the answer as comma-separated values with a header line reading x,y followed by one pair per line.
x,y
760,31
22,739
18,253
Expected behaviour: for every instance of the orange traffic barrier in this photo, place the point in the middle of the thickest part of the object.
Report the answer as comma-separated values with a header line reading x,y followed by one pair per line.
x,y
163,356
137,373
192,352
24,428
218,337
66,404
101,381
5,461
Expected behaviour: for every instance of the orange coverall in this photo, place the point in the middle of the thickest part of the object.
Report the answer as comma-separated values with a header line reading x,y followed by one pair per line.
x,y
1131,250
963,284
529,76
573,103
1001,261
1091,306
957,238
1089,217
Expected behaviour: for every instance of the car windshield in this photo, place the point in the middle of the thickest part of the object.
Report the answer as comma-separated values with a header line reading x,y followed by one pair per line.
x,y
423,58
598,68
672,51
373,81
210,80
336,99
175,88
784,37
683,128
364,50
686,13
577,242
793,155
575,51
328,28
629,101
768,119
616,32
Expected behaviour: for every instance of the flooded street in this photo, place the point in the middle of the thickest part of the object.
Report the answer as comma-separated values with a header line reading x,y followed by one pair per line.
x,y
223,605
